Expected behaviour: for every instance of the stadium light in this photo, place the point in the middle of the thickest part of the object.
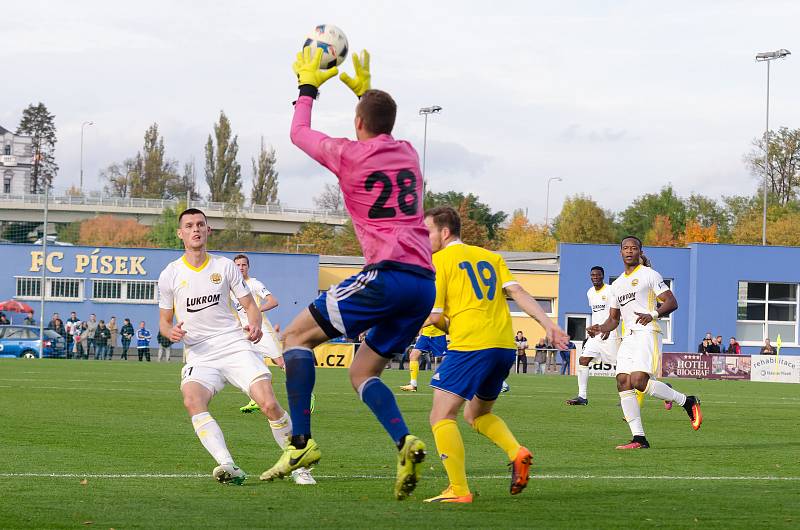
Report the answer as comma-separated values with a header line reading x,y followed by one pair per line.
x,y
767,57
547,203
84,124
425,111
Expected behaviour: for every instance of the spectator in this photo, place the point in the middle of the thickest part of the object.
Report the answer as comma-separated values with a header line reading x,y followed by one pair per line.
x,y
540,358
112,341
78,339
733,347
163,346
522,356
70,335
3,320
51,324
127,334
91,328
101,337
143,341
767,349
565,356
29,320
704,344
714,346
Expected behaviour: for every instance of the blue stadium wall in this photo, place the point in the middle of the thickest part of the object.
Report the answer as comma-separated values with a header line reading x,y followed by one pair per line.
x,y
291,277
705,281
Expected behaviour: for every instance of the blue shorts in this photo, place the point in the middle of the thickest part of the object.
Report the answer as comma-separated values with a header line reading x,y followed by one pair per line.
x,y
392,304
436,346
474,373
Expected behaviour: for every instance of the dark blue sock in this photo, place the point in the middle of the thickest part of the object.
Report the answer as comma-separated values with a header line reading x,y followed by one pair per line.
x,y
300,378
381,401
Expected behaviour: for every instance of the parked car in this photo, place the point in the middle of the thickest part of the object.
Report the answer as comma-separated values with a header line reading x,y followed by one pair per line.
x,y
22,341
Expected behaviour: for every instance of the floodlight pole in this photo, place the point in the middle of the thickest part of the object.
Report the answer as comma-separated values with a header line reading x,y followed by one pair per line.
x,y
547,202
84,124
425,111
44,273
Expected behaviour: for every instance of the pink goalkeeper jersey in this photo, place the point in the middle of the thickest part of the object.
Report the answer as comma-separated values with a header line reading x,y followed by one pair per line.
x,y
382,190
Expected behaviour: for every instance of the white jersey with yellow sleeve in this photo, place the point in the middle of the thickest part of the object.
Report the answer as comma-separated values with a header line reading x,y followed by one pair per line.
x,y
595,347
634,293
269,345
469,291
200,298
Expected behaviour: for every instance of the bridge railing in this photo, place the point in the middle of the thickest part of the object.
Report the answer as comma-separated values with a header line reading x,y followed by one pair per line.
x,y
160,204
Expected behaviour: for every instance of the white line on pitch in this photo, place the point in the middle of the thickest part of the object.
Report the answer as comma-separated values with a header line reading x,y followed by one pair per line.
x,y
381,477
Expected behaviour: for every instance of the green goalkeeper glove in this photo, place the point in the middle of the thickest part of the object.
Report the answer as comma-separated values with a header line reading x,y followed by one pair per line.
x,y
361,83
307,68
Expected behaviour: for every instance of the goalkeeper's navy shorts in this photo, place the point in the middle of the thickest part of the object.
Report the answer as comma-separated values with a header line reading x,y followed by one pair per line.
x,y
392,304
474,373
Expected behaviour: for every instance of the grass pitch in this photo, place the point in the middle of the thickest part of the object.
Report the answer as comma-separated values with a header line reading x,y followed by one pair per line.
x,y
108,445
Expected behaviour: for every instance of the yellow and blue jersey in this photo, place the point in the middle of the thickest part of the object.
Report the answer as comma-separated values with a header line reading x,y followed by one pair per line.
x,y
469,292
431,331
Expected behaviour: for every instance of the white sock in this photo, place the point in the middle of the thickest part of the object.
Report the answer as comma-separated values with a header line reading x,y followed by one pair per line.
x,y
211,437
660,390
282,429
413,382
583,380
633,414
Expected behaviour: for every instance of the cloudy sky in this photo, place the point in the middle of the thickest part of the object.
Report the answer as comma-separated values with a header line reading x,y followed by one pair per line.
x,y
616,98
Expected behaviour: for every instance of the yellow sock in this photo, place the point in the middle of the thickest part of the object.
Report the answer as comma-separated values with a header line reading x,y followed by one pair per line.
x,y
639,397
451,451
413,367
494,428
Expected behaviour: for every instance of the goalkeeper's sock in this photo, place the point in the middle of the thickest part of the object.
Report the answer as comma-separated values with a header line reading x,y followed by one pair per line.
x,y
413,367
300,379
583,380
660,390
282,429
633,414
211,437
494,428
381,402
450,447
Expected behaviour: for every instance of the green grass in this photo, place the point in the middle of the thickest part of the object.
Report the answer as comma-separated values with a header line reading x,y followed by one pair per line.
x,y
94,418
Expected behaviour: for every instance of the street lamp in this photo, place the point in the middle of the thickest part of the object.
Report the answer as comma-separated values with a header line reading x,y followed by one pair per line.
x,y
767,57
425,111
547,203
84,124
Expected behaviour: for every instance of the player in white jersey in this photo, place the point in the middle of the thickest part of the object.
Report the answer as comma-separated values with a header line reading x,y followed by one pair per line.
x,y
634,296
194,290
604,346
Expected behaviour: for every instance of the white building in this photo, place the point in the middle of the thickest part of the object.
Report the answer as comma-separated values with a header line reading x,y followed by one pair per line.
x,y
16,158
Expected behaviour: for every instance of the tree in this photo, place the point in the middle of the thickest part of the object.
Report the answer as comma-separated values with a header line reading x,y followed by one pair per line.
x,y
108,230
119,177
39,124
707,212
186,182
472,232
330,199
697,233
164,233
313,238
661,234
783,226
522,236
474,209
223,172
265,177
783,172
582,221
639,217
237,234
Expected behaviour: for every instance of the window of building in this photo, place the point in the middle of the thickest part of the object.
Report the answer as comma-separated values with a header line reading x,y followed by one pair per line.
x,y
64,289
766,310
546,303
6,184
7,149
125,291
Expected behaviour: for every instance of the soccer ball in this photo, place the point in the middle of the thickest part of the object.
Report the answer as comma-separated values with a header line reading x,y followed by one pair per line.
x,y
29,355
505,387
333,43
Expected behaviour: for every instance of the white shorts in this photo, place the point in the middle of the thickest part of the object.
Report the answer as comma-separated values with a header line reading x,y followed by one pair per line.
x,y
604,350
269,345
640,351
241,369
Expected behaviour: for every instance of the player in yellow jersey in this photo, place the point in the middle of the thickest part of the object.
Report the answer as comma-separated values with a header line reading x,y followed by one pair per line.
x,y
431,340
633,300
471,288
